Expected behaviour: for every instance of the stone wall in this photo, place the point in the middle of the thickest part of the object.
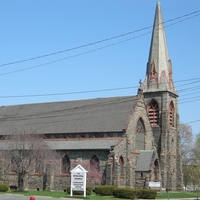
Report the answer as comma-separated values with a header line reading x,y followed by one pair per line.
x,y
167,139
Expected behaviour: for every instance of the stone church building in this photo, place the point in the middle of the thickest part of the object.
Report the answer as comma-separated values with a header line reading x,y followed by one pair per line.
x,y
133,140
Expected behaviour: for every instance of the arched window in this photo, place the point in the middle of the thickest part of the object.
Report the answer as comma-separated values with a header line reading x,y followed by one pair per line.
x,y
153,113
94,164
171,114
121,164
65,165
140,135
38,166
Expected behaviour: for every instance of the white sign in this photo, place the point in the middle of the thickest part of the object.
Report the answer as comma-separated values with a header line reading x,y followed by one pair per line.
x,y
78,179
153,184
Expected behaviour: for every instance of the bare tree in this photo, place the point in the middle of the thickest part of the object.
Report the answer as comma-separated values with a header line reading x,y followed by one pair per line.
x,y
196,149
21,150
186,143
94,177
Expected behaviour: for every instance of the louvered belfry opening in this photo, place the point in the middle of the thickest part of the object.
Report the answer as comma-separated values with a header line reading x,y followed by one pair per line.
x,y
153,113
171,114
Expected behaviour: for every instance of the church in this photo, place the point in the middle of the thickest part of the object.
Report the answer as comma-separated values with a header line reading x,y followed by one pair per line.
x,y
130,140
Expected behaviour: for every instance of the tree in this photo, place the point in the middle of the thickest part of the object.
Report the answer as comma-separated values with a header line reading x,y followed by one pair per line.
x,y
94,176
186,153
196,149
194,165
186,143
187,175
21,150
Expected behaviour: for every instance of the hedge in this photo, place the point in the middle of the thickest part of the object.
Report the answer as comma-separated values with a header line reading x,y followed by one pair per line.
x,y
147,194
129,193
126,193
3,187
104,190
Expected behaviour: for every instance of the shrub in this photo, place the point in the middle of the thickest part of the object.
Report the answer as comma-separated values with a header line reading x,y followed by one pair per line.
x,y
146,194
3,187
127,193
104,190
88,191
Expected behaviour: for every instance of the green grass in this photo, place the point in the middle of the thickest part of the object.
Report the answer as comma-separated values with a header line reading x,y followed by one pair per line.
x,y
56,194
176,195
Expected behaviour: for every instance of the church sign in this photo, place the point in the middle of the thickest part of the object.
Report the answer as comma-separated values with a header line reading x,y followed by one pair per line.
x,y
78,179
153,184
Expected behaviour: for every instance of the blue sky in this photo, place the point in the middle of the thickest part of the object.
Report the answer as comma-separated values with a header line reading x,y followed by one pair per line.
x,y
32,28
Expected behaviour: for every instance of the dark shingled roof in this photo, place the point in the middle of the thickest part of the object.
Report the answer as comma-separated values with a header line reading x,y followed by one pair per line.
x,y
100,144
82,144
93,115
144,161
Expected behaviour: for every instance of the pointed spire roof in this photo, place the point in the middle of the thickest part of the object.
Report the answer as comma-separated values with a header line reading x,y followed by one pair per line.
x,y
159,68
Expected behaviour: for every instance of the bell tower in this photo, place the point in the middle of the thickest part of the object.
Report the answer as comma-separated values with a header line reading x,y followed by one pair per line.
x,y
161,99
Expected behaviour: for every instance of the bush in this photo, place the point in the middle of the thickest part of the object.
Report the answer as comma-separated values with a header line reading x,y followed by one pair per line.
x,y
88,191
146,194
104,190
129,193
3,187
126,193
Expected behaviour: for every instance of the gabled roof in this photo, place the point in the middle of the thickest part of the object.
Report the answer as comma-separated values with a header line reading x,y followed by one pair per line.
x,y
93,115
144,161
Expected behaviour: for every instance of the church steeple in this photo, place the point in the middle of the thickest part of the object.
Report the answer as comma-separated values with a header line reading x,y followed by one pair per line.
x,y
161,100
159,67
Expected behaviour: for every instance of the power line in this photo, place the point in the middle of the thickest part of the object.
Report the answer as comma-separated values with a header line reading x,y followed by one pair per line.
x,y
190,93
69,57
92,91
189,83
90,51
198,120
101,41
69,93
189,101
190,88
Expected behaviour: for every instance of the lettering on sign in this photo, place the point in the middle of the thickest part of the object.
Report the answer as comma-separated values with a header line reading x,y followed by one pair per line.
x,y
153,184
78,181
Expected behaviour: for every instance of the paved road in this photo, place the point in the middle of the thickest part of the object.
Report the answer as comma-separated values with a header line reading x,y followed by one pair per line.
x,y
21,197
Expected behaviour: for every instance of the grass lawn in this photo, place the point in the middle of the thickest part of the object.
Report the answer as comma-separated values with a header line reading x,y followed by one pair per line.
x,y
55,194
176,195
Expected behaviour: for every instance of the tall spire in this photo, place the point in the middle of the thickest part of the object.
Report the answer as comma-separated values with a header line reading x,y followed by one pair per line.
x,y
159,68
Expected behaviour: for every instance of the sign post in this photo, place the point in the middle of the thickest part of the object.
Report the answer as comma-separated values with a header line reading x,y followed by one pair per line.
x,y
78,180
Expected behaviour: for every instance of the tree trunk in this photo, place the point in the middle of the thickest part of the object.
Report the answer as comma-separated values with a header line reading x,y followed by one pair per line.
x,y
21,178
44,181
